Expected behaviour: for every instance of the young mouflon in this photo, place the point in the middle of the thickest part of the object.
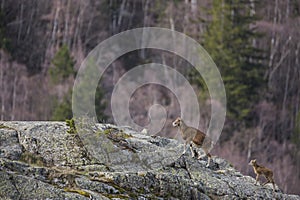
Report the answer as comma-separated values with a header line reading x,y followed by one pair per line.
x,y
193,136
261,170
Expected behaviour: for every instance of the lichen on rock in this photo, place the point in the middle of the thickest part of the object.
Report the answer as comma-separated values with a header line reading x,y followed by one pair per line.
x,y
45,160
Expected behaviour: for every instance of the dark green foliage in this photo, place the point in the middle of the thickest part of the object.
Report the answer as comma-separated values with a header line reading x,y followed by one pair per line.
x,y
296,8
4,41
100,105
63,65
296,133
63,110
62,70
229,40
71,124
86,101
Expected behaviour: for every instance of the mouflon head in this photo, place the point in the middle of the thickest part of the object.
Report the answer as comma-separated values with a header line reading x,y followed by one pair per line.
x,y
177,122
252,162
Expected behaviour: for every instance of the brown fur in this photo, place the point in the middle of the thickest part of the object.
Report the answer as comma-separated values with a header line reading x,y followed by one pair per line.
x,y
261,170
193,136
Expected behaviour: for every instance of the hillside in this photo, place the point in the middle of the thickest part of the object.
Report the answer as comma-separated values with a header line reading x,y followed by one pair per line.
x,y
255,45
50,160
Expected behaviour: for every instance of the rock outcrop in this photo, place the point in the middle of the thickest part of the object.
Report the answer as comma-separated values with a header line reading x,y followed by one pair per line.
x,y
50,160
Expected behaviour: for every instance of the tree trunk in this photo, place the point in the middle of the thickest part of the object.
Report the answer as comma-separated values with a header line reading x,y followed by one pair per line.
x,y
2,89
14,95
274,41
20,21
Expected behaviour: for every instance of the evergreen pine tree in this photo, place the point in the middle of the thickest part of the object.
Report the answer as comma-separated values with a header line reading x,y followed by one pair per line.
x,y
229,41
63,64
63,110
62,70
86,100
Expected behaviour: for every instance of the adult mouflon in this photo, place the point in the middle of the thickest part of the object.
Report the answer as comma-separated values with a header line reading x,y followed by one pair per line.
x,y
261,170
193,136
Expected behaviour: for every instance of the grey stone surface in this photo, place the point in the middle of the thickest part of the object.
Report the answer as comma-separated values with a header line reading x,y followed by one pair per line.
x,y
41,160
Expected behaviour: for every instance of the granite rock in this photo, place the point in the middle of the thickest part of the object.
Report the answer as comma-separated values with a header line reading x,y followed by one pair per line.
x,y
45,160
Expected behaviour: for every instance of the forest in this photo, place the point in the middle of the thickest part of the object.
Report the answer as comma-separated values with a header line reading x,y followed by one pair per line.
x,y
255,45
